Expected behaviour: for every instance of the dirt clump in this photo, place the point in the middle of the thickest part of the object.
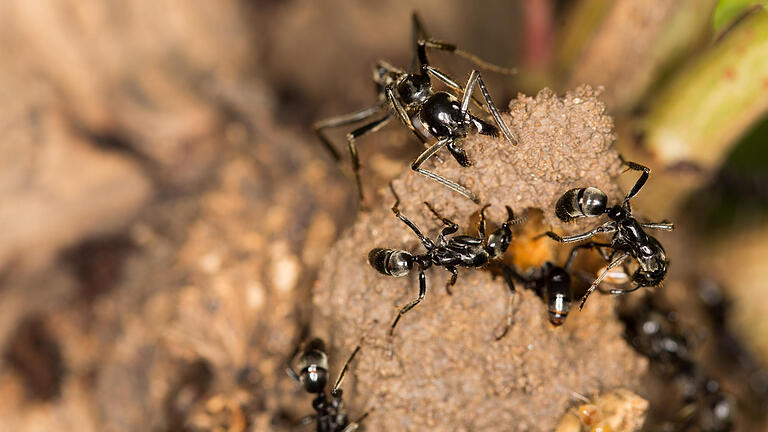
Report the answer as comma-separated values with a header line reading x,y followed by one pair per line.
x,y
447,372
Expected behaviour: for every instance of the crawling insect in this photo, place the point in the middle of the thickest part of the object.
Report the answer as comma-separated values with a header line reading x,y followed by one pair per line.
x,y
653,332
629,237
313,376
410,97
552,283
450,253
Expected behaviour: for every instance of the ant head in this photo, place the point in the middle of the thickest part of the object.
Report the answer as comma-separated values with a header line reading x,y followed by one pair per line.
x,y
593,201
617,212
390,262
499,240
384,73
313,367
414,89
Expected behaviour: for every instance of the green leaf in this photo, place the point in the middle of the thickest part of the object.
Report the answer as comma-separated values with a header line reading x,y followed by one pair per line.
x,y
729,10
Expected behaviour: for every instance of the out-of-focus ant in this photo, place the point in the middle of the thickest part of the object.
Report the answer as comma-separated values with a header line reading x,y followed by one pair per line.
x,y
409,96
654,333
312,364
629,237
447,252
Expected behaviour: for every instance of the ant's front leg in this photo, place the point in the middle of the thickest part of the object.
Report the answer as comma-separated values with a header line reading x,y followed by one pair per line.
x,y
450,226
640,181
428,244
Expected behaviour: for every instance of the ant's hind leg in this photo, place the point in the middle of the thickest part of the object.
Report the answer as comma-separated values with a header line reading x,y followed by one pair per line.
x,y
409,306
428,43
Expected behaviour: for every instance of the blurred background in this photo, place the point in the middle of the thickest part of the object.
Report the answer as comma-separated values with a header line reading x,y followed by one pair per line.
x,y
165,207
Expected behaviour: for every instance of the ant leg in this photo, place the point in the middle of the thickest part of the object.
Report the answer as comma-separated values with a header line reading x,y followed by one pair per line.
x,y
452,281
428,244
305,421
481,224
344,369
661,226
607,227
600,278
400,111
474,78
509,275
411,304
344,120
450,82
355,425
416,166
640,181
418,32
625,291
450,226
423,44
351,137
589,245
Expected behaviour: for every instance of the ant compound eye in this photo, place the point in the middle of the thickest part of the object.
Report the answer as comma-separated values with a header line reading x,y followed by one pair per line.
x,y
593,202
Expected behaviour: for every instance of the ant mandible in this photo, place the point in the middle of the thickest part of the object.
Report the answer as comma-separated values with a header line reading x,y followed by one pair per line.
x,y
629,236
409,95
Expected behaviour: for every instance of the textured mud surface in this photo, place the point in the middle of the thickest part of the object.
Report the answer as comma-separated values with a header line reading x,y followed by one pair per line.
x,y
447,372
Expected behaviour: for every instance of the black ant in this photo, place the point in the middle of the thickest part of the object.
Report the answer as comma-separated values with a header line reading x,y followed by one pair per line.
x,y
410,97
552,283
313,376
450,253
629,236
653,332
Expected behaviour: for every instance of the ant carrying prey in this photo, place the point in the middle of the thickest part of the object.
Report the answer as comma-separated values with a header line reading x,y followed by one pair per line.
x,y
313,376
427,113
629,237
450,253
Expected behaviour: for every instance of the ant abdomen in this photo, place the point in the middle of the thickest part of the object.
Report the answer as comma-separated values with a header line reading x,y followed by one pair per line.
x,y
559,295
581,202
391,262
313,367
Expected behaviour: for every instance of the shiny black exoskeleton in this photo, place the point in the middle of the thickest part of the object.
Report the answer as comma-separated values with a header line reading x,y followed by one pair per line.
x,y
629,237
427,113
654,333
312,364
450,253
552,284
